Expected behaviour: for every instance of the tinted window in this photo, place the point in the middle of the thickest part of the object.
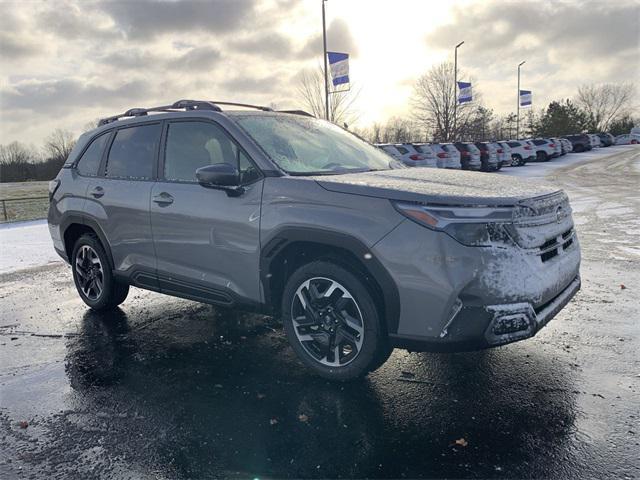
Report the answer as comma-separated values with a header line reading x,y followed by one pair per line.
x,y
90,160
418,148
402,150
191,145
133,152
539,142
513,144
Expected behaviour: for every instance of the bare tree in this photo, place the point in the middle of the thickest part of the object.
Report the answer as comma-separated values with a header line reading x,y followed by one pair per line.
x,y
605,103
311,93
59,144
433,103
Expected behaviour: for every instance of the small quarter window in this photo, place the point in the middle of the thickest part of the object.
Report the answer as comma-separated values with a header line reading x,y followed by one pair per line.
x,y
90,161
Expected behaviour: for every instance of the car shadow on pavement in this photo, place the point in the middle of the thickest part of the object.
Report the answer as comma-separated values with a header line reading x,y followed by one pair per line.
x,y
188,395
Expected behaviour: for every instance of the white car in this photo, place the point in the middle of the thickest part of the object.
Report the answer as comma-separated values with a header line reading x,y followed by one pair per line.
x,y
443,157
595,140
628,139
454,155
545,149
558,146
407,154
522,151
504,153
567,146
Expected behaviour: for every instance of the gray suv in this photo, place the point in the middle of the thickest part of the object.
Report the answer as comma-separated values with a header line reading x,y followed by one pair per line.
x,y
280,212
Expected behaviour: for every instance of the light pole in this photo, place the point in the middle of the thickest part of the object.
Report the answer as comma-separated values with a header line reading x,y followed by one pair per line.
x,y
455,88
518,104
326,78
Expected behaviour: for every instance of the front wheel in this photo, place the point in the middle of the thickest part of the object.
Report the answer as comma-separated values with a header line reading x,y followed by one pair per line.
x,y
93,277
516,160
332,322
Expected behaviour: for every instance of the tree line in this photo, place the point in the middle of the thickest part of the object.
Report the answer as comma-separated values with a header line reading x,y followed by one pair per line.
x,y
20,162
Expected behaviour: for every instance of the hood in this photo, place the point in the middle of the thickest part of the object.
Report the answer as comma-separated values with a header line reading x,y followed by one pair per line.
x,y
440,186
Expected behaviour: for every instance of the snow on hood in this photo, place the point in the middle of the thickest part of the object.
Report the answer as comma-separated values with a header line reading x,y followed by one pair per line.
x,y
437,186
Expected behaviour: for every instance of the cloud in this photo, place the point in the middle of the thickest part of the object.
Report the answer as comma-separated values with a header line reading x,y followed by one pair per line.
x,y
68,94
13,47
266,44
145,19
339,39
245,84
492,29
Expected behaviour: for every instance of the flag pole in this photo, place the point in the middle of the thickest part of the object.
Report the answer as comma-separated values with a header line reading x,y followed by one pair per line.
x,y
455,89
326,78
518,105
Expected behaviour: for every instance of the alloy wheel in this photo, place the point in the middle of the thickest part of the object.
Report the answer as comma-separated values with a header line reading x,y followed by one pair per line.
x,y
89,272
327,321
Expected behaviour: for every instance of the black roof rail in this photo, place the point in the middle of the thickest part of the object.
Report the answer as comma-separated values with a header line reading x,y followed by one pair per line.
x,y
297,112
180,105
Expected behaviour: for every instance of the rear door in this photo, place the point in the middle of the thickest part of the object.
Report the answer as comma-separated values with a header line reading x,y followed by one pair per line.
x,y
118,199
206,240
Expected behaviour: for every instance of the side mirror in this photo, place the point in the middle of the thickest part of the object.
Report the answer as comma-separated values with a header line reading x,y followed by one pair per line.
x,y
221,176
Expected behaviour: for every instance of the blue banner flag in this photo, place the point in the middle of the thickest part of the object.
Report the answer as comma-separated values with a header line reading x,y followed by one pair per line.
x,y
465,92
339,66
525,98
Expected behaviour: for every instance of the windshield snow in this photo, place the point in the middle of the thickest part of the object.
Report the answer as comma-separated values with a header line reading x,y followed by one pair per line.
x,y
304,146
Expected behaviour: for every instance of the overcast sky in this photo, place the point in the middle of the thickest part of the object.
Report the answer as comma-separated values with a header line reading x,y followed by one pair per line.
x,y
65,63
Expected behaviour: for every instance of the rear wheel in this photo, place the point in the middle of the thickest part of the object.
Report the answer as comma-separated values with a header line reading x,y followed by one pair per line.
x,y
542,156
578,148
516,160
332,322
93,277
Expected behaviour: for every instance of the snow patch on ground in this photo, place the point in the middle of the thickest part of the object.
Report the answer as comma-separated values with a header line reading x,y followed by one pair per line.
x,y
25,245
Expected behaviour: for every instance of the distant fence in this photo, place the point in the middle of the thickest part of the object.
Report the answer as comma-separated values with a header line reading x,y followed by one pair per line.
x,y
24,208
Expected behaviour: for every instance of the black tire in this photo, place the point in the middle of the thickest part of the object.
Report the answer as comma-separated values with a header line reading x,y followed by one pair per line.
x,y
92,270
542,156
578,148
355,302
516,160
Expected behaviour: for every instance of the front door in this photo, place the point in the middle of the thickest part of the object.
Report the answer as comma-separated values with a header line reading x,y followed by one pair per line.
x,y
206,241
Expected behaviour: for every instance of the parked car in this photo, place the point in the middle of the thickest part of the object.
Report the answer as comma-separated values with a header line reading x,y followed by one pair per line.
x,y
595,140
469,156
310,224
628,139
566,145
504,153
488,156
557,145
454,153
407,154
580,142
606,139
545,149
499,153
444,158
521,152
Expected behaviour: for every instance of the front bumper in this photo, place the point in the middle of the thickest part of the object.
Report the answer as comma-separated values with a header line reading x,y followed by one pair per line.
x,y
457,298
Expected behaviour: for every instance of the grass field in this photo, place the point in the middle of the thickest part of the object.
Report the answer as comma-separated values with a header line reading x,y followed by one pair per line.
x,y
15,202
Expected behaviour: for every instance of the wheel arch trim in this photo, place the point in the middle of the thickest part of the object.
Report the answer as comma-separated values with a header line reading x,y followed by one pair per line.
x,y
285,236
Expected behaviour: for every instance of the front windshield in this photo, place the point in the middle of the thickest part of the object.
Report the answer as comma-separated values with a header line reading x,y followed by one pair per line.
x,y
308,146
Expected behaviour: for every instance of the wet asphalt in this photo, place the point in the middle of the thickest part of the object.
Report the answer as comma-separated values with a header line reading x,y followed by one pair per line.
x,y
168,388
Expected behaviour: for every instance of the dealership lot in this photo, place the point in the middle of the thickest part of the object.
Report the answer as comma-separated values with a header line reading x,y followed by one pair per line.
x,y
169,388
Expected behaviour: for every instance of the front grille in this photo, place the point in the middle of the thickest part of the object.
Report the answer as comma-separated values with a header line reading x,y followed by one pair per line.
x,y
555,246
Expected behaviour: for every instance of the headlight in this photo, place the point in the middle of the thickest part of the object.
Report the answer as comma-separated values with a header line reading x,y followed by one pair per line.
x,y
473,226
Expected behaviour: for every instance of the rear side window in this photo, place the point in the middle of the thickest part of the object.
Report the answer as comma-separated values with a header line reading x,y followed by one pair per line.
x,y
90,161
418,148
402,150
513,144
539,142
133,152
191,145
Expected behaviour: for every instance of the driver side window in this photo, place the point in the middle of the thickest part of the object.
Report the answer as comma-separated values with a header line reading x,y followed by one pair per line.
x,y
191,145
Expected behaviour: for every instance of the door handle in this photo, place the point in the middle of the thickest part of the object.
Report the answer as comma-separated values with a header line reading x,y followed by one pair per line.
x,y
97,192
163,199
